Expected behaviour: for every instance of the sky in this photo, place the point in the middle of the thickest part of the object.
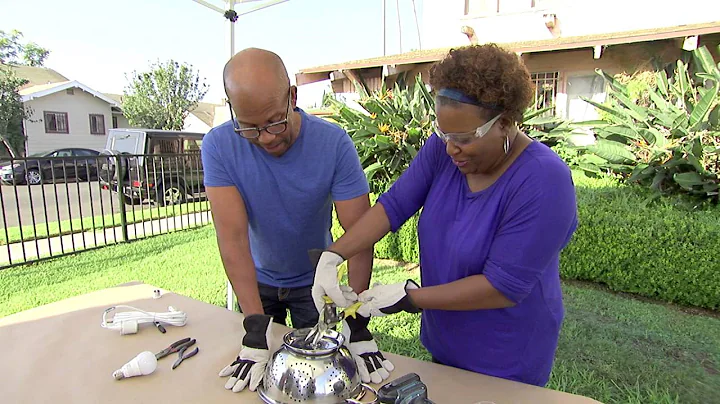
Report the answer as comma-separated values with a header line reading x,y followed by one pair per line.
x,y
99,42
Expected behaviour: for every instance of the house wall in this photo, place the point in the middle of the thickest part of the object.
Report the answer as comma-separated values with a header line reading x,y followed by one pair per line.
x,y
195,124
569,74
78,106
519,21
122,121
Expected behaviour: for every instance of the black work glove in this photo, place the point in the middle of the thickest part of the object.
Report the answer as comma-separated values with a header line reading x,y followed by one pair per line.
x,y
248,368
371,364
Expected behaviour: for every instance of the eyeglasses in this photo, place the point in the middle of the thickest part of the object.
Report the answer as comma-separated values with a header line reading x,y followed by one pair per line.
x,y
274,128
467,137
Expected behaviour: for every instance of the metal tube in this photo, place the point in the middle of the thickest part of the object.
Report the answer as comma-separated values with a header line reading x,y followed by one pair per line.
x,y
82,219
121,198
384,20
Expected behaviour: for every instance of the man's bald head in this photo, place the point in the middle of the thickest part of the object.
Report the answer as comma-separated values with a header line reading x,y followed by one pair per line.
x,y
260,94
253,72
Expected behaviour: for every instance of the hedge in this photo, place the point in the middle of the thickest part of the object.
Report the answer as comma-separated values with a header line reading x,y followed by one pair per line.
x,y
661,250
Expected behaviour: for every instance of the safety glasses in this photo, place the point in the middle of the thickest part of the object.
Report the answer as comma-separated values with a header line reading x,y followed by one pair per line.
x,y
467,137
274,128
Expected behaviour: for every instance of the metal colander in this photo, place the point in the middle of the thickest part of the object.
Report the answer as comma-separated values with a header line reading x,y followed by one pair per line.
x,y
325,373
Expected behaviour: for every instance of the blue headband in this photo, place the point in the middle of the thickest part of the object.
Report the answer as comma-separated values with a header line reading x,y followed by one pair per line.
x,y
459,96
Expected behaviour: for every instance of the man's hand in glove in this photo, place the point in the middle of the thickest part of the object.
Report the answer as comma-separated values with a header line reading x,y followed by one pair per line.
x,y
326,281
372,365
381,300
249,367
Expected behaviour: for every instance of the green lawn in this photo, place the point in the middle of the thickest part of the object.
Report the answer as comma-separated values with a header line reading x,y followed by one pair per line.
x,y
135,214
612,348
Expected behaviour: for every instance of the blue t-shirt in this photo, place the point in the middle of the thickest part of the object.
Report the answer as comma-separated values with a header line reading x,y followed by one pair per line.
x,y
288,199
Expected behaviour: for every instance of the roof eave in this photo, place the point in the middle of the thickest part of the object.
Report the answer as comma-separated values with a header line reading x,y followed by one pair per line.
x,y
65,86
318,73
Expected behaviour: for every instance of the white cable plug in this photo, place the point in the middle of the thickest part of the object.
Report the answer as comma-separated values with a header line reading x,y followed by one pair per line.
x,y
127,322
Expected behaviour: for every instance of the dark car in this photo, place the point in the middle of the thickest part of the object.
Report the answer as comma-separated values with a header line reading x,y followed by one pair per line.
x,y
52,166
161,166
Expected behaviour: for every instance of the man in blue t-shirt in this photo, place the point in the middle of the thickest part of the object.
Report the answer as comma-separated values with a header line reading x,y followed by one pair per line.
x,y
272,174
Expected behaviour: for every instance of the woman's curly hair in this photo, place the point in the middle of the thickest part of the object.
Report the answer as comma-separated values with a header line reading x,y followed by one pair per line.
x,y
489,74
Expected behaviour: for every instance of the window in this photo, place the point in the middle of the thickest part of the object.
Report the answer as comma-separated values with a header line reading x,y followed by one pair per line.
x,y
62,153
164,146
97,124
114,121
590,86
191,145
491,7
84,153
545,88
56,122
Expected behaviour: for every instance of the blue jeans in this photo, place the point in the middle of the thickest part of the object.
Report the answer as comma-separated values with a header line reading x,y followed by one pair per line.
x,y
278,301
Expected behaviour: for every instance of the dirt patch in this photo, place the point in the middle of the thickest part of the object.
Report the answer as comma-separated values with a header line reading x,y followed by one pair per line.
x,y
408,266
697,311
708,364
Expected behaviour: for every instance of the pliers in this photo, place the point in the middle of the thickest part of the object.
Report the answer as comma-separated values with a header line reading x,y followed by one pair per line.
x,y
182,356
329,318
177,346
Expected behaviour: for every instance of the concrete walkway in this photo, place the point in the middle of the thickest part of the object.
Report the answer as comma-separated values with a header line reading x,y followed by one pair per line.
x,y
55,246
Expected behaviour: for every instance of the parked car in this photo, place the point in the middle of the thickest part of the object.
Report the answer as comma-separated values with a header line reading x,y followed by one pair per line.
x,y
161,166
55,165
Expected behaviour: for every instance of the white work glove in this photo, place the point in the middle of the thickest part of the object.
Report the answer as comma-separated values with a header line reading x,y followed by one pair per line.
x,y
381,300
248,368
372,365
326,280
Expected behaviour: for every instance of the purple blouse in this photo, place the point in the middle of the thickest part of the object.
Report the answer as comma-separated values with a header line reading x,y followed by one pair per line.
x,y
511,232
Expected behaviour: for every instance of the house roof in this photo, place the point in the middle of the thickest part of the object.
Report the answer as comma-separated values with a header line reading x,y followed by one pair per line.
x,y
205,111
36,75
554,44
30,93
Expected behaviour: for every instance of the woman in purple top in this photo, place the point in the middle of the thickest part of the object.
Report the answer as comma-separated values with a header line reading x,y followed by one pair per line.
x,y
497,209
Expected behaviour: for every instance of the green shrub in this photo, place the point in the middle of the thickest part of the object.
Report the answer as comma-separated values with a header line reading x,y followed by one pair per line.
x,y
667,138
664,250
661,250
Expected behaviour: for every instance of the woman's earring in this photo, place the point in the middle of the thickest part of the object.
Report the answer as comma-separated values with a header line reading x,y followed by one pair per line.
x,y
506,144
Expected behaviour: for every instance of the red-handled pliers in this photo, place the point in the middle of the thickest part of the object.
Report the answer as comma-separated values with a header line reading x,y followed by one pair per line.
x,y
176,346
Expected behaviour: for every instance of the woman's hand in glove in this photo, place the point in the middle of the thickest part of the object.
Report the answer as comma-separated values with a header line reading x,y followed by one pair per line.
x,y
249,367
381,300
326,280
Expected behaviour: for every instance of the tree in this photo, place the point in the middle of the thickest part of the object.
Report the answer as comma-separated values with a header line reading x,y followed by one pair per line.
x,y
12,51
162,97
12,110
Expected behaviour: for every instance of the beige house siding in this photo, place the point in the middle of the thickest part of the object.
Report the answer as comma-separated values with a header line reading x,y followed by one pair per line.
x,y
122,122
78,107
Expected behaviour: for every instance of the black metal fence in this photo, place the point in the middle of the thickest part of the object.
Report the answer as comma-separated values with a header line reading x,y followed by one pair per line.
x,y
53,206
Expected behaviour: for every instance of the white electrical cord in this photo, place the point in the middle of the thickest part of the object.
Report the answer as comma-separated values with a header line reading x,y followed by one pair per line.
x,y
127,322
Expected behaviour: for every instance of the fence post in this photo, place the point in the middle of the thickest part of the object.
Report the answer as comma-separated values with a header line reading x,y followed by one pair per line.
x,y
121,197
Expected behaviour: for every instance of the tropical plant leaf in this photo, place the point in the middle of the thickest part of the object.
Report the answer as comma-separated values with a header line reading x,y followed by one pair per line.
x,y
624,118
688,180
703,56
662,83
627,132
708,100
638,113
612,151
371,170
